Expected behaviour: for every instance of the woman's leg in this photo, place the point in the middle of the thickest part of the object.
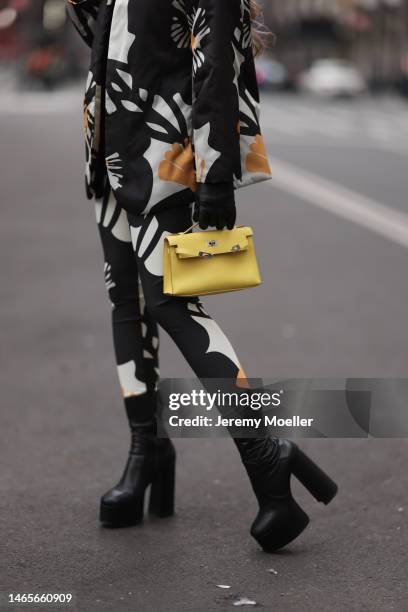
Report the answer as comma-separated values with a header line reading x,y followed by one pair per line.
x,y
135,335
135,332
201,341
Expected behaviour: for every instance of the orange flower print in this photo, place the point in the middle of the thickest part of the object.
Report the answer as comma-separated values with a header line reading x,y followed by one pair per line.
x,y
257,159
178,165
242,380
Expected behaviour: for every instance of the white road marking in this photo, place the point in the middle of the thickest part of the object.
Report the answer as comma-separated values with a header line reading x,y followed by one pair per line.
x,y
341,201
276,137
371,124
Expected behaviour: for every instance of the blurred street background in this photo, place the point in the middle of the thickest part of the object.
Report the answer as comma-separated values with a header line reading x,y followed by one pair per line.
x,y
331,232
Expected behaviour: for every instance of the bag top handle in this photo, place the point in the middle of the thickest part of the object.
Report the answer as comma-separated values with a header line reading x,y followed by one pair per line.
x,y
196,225
190,228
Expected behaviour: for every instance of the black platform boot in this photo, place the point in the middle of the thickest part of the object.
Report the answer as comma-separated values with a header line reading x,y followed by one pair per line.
x,y
270,464
152,462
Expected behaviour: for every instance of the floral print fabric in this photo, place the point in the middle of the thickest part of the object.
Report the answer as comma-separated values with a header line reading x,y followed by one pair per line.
x,y
133,270
171,98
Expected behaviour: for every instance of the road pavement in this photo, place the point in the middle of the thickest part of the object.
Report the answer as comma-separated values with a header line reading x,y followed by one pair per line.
x,y
333,304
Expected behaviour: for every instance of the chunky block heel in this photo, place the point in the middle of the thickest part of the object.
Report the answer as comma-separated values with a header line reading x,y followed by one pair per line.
x,y
317,482
161,503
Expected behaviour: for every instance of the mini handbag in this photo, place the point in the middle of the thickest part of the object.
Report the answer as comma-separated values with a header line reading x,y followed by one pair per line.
x,y
208,262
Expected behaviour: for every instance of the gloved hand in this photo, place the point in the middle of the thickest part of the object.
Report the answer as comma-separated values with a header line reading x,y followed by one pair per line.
x,y
215,205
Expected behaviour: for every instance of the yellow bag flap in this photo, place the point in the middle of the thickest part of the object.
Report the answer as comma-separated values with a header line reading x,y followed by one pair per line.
x,y
212,242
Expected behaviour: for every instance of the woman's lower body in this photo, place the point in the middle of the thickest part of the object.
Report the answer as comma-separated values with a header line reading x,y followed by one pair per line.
x,y
133,247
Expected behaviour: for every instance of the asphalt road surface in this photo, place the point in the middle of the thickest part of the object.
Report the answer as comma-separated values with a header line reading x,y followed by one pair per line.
x,y
332,237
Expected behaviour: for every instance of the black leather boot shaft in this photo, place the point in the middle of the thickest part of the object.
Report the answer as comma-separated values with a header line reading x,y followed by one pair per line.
x,y
261,458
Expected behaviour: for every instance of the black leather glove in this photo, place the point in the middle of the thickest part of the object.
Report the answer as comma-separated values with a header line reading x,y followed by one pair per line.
x,y
215,205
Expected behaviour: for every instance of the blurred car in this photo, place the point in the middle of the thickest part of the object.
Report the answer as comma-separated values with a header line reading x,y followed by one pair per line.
x,y
333,78
47,66
271,74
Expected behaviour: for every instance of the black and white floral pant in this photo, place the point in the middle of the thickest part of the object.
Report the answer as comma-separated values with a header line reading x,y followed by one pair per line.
x,y
133,251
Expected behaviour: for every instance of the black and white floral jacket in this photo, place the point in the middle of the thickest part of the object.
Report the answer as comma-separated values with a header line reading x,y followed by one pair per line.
x,y
171,98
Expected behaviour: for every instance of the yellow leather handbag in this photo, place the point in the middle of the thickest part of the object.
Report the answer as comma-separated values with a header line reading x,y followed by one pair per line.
x,y
211,261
